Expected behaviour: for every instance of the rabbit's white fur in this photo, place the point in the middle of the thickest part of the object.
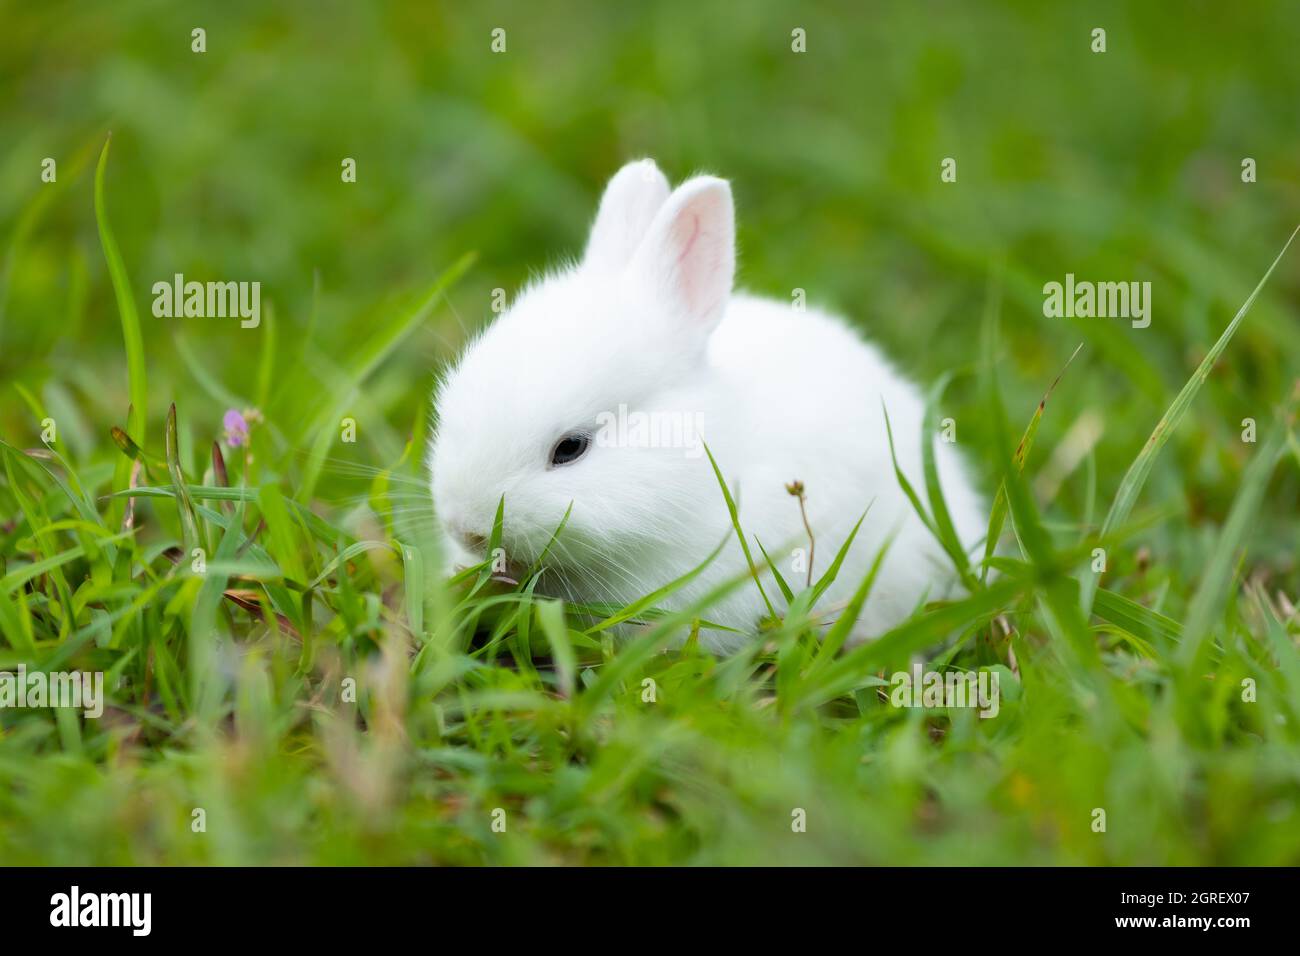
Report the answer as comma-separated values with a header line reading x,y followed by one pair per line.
x,y
648,320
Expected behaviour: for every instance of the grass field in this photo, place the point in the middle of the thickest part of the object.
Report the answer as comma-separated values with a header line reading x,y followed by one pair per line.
x,y
314,691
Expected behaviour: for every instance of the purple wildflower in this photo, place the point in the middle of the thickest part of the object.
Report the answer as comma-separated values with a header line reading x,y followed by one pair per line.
x,y
236,428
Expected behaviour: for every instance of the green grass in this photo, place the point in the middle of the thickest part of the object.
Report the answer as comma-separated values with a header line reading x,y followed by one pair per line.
x,y
231,688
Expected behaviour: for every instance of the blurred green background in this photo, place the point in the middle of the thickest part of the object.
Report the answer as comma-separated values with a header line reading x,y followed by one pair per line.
x,y
1115,166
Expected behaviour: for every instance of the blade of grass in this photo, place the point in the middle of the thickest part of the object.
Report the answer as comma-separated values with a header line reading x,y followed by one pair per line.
x,y
903,482
944,528
550,615
283,546
1136,476
998,515
639,606
541,558
189,523
914,635
843,626
413,566
780,581
1141,621
832,572
1207,603
740,532
378,346
137,378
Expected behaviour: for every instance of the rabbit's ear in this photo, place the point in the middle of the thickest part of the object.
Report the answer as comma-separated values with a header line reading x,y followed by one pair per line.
x,y
689,253
629,205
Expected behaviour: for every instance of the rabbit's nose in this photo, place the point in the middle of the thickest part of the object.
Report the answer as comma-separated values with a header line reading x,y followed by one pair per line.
x,y
473,542
461,528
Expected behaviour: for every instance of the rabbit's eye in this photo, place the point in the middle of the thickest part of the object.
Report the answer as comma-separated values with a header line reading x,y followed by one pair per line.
x,y
570,448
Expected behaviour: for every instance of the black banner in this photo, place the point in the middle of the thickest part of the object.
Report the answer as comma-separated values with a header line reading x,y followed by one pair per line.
x,y
335,905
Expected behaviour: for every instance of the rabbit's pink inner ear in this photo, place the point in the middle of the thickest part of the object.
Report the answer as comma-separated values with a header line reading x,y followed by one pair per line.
x,y
633,196
692,249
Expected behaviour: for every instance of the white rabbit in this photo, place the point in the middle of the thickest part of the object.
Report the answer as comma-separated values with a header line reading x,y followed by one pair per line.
x,y
647,328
